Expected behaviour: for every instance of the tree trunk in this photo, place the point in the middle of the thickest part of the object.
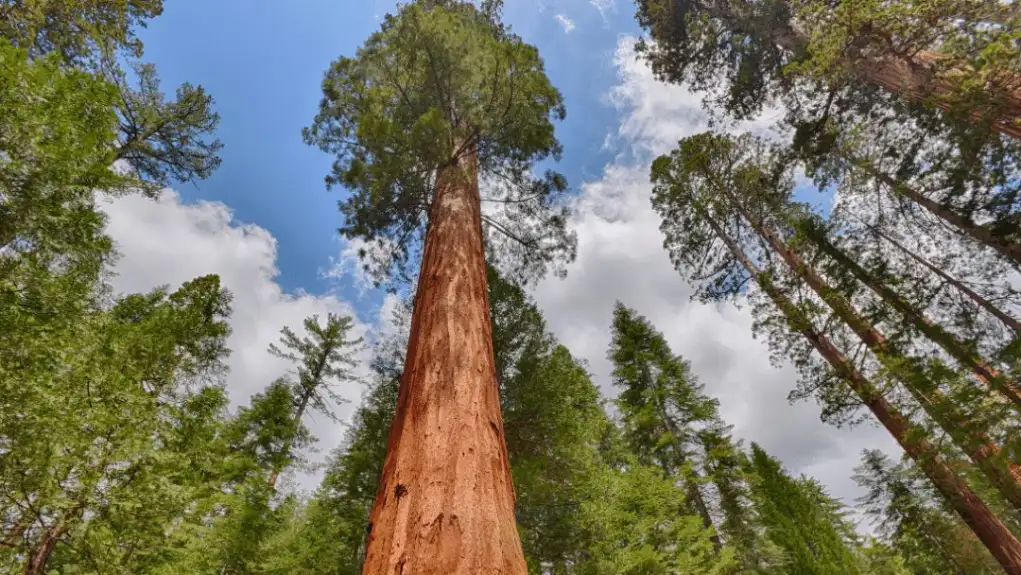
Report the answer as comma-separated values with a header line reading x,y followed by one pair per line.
x,y
693,494
989,529
38,557
981,234
914,78
971,294
445,504
305,397
986,373
944,412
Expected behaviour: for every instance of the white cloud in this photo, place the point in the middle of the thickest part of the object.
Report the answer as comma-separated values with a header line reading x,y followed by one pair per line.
x,y
620,256
604,7
566,22
168,242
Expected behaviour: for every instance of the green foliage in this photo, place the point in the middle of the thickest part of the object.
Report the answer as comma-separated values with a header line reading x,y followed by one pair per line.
x,y
76,30
439,82
913,520
105,459
56,143
801,519
164,141
325,357
727,48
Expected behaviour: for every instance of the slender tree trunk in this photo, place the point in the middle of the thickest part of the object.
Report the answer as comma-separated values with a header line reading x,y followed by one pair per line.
x,y
306,395
989,529
979,233
944,412
971,294
693,495
986,373
445,504
40,555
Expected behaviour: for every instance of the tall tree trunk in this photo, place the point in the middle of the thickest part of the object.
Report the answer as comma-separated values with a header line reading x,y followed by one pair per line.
x,y
960,286
979,233
1004,546
944,412
445,504
957,349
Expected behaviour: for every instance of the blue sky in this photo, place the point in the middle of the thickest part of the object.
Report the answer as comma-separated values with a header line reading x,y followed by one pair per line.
x,y
263,61
267,208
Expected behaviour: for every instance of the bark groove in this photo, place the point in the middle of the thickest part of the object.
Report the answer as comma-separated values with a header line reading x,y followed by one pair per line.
x,y
445,504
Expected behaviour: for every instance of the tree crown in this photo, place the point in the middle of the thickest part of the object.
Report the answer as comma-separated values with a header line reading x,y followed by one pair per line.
x,y
439,82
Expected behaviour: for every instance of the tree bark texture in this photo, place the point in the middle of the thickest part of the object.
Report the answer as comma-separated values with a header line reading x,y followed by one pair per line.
x,y
1004,546
917,79
445,504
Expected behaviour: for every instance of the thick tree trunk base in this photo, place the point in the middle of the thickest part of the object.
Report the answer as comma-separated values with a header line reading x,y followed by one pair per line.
x,y
445,504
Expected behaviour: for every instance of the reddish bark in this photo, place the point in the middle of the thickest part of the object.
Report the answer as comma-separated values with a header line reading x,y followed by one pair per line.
x,y
918,79
40,555
1004,546
445,504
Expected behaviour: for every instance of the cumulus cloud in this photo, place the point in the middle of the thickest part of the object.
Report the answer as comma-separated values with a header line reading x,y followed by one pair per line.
x,y
566,22
620,257
168,242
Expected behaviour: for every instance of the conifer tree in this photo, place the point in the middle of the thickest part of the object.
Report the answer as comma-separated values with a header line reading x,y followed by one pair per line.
x,y
799,520
922,52
697,191
662,405
444,96
325,359
915,523
114,430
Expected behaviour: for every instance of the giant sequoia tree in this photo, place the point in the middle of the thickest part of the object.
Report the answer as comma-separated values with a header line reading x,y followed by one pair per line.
x,y
960,55
442,97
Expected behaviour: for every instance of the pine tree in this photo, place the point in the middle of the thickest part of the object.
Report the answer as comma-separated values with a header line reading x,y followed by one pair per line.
x,y
912,521
99,422
442,96
325,359
662,405
799,519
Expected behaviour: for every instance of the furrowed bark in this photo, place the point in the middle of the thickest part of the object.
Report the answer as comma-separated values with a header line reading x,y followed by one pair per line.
x,y
1003,545
445,504
979,447
986,373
